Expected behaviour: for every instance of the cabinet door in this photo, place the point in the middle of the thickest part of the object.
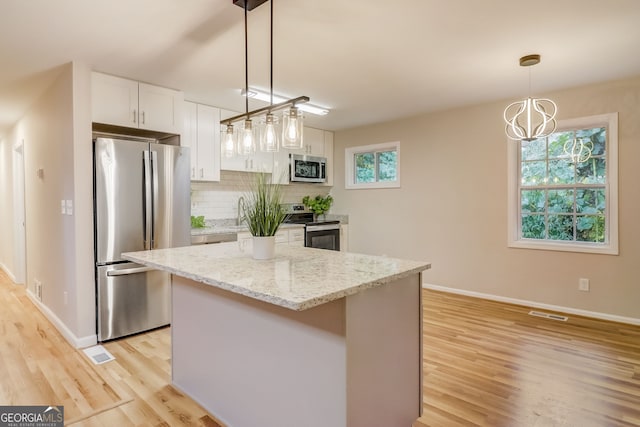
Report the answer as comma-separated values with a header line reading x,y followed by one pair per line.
x,y
344,237
296,236
208,160
280,173
328,153
189,136
160,108
114,100
313,141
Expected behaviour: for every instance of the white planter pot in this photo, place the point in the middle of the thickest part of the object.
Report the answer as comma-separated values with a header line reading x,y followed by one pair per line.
x,y
264,247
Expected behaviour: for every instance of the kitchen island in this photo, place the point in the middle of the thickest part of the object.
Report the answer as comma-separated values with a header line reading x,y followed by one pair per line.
x,y
309,338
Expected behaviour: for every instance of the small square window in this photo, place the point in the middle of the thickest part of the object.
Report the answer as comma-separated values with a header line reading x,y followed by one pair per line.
x,y
373,166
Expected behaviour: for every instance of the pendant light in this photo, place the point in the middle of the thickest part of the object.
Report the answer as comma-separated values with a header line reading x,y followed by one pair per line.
x,y
292,123
247,144
269,136
229,142
292,128
530,118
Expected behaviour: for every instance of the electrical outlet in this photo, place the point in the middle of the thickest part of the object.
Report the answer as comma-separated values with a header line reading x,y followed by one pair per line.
x,y
69,204
583,285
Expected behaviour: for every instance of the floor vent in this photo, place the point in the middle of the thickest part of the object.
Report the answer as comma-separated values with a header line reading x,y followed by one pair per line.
x,y
98,354
548,315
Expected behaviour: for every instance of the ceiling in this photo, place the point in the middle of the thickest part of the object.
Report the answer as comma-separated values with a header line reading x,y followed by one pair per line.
x,y
367,60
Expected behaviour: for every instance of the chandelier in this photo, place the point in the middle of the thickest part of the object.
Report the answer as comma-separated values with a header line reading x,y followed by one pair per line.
x,y
530,118
244,142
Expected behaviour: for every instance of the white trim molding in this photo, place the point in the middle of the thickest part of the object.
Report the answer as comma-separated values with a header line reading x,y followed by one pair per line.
x,y
349,164
77,342
8,273
534,304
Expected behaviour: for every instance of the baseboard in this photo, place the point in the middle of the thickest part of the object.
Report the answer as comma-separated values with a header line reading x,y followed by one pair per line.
x,y
534,304
77,342
8,272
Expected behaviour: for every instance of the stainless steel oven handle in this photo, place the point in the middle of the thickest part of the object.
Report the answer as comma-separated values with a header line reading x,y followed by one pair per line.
x,y
323,227
128,271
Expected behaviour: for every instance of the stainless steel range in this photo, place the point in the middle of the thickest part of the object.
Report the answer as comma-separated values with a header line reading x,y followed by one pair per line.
x,y
318,234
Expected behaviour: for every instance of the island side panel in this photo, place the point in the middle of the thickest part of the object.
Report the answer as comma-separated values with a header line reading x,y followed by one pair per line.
x,y
384,366
251,363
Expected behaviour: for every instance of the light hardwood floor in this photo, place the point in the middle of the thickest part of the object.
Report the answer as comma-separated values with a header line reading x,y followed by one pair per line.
x,y
491,364
485,364
39,367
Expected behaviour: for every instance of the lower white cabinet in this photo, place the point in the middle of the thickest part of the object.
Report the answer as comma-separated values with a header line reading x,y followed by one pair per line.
x,y
344,237
293,236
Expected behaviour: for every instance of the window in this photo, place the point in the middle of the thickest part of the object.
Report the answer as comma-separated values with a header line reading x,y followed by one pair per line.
x,y
562,202
373,166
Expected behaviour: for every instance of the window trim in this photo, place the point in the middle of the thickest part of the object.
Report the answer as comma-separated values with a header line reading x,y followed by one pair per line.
x,y
513,208
349,155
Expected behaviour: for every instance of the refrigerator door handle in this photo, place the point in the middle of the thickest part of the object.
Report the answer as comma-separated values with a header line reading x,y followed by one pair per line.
x,y
128,271
154,197
146,202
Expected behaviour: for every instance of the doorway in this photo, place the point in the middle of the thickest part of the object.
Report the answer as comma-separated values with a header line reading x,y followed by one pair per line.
x,y
19,238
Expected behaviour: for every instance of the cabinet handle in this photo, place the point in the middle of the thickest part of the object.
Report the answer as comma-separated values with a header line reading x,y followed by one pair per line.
x,y
134,116
143,117
201,172
193,172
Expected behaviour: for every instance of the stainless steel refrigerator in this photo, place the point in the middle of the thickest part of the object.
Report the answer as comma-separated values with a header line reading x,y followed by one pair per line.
x,y
141,201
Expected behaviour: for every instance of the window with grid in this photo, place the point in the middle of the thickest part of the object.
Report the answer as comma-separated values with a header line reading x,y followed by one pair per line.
x,y
566,190
373,166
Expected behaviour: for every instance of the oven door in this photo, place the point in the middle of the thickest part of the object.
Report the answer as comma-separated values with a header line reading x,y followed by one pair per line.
x,y
323,237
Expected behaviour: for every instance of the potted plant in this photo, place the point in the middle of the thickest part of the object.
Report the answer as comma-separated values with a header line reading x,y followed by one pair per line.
x,y
318,205
263,214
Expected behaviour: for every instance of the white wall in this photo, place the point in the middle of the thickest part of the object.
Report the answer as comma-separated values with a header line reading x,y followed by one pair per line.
x,y
452,206
57,139
6,206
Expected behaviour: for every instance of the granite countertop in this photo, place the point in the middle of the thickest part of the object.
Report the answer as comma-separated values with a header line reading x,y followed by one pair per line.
x,y
297,278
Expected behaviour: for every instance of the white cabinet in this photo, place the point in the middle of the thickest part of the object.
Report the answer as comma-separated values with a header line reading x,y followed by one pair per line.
x,y
201,133
293,236
313,142
344,237
296,236
122,102
317,142
328,153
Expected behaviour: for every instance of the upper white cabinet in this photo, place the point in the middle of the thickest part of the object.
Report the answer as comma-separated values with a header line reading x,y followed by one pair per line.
x,y
313,140
122,102
201,133
317,142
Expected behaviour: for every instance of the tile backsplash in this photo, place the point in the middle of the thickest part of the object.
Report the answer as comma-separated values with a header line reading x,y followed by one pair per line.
x,y
219,200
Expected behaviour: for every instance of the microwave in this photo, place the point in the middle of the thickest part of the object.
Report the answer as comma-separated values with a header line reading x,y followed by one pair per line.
x,y
305,168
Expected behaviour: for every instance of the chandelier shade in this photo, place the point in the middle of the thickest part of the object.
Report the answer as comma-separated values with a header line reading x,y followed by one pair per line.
x,y
531,118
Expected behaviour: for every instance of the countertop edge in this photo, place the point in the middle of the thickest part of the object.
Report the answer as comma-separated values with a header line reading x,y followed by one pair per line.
x,y
296,306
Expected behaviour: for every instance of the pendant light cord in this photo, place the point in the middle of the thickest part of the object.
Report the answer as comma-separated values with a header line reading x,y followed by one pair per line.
x,y
246,60
271,56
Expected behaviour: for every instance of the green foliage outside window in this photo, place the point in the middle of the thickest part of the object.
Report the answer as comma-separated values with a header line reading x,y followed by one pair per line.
x,y
562,199
376,167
